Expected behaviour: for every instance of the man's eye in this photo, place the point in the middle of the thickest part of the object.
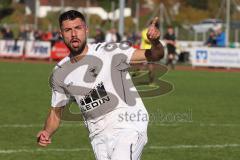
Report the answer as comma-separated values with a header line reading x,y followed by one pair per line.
x,y
79,27
66,30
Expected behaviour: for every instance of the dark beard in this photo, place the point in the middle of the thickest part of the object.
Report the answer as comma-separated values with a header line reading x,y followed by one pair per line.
x,y
75,52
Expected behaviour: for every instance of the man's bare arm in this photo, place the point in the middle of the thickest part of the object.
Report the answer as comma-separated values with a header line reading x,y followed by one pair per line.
x,y
51,125
157,50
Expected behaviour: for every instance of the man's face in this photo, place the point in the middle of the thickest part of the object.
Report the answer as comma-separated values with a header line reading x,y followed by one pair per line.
x,y
74,33
170,30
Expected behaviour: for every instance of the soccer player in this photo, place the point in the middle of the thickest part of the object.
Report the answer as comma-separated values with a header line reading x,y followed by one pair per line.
x,y
170,40
96,77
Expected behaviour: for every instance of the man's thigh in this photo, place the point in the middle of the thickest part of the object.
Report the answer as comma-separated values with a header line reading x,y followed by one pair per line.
x,y
100,148
129,146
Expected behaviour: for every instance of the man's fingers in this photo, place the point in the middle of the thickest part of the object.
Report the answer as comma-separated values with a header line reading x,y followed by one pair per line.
x,y
155,21
43,138
39,134
44,142
43,133
153,34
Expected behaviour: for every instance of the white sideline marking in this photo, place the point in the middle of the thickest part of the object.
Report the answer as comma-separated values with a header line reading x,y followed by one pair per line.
x,y
151,124
44,150
196,124
36,125
219,125
195,146
9,151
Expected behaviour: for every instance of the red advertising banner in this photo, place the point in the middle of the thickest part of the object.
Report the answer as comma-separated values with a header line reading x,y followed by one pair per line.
x,y
59,51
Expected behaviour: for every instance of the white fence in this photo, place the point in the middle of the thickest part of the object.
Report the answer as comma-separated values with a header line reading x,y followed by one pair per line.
x,y
32,49
11,48
216,57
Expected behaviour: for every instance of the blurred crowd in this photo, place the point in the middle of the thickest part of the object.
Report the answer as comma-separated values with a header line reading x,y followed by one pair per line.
x,y
137,39
112,35
216,38
28,33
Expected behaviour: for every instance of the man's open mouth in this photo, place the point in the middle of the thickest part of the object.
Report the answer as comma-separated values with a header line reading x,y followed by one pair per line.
x,y
75,42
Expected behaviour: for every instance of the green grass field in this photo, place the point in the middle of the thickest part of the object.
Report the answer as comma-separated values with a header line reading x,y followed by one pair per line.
x,y
198,120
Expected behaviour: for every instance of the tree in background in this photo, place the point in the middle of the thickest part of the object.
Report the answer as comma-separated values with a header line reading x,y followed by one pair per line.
x,y
202,4
5,8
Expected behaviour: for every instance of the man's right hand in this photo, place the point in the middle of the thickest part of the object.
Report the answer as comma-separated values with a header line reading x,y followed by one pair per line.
x,y
43,138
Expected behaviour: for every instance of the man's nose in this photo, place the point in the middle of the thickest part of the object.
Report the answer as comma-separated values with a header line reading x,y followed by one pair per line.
x,y
74,33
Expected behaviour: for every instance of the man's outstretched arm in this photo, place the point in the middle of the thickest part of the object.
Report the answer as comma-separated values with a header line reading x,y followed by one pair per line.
x,y
51,125
157,50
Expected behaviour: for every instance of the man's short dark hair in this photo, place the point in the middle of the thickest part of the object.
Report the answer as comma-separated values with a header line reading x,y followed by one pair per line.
x,y
70,15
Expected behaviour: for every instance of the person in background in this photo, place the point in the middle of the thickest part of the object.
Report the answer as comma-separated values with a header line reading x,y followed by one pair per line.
x,y
170,40
119,37
8,34
30,33
100,36
220,37
211,41
55,37
134,39
22,35
47,36
38,35
112,36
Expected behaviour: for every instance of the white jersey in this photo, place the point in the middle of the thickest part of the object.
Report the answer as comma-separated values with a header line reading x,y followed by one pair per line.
x,y
102,88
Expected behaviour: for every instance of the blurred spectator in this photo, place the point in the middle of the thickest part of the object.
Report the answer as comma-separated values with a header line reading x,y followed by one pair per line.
x,y
112,36
2,30
55,35
211,41
134,39
7,34
119,38
170,40
30,34
22,35
145,44
38,34
99,36
47,36
220,37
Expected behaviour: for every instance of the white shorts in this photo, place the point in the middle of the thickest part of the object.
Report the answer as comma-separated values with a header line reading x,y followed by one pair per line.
x,y
121,144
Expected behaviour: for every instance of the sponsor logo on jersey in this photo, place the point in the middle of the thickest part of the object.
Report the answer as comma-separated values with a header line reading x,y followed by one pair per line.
x,y
95,98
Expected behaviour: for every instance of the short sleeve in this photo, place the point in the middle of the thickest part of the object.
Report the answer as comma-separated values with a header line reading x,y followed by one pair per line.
x,y
126,49
59,99
59,96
